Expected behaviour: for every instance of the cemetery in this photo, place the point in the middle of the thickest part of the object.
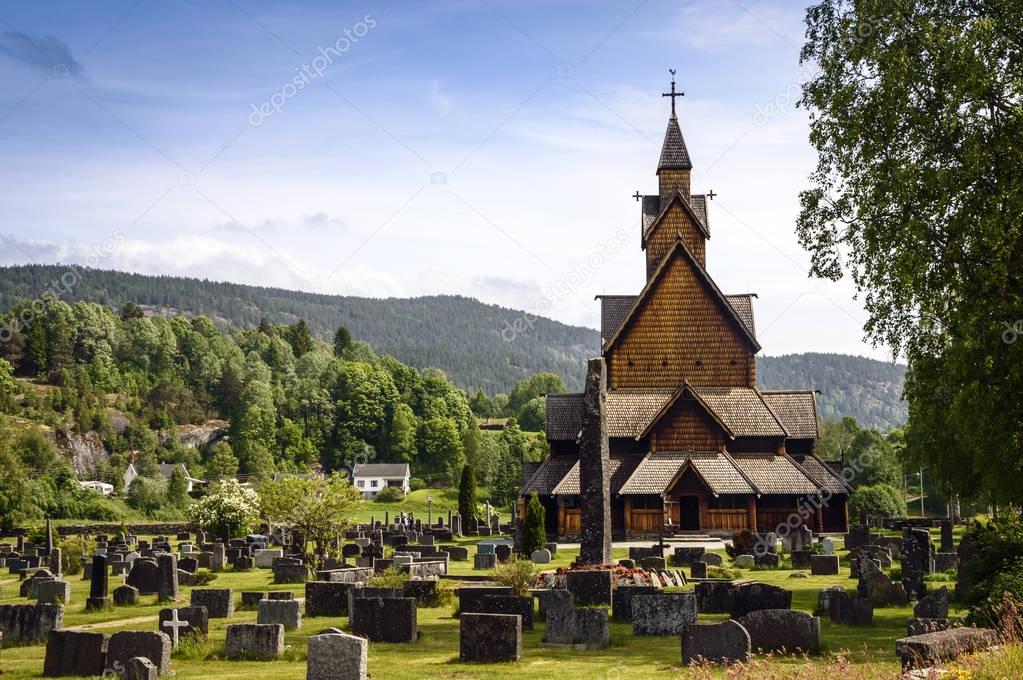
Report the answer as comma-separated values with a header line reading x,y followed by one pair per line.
x,y
367,614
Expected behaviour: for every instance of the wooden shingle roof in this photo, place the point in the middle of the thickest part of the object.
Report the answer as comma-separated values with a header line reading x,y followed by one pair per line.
x,y
613,310
676,197
742,303
622,467
674,154
658,470
775,474
549,475
699,203
823,474
628,412
680,249
742,410
797,410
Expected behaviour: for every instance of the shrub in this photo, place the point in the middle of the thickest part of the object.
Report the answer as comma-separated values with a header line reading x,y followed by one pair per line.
x,y
204,578
881,500
467,501
534,533
416,484
516,573
723,572
228,506
390,494
995,567
74,551
147,494
391,577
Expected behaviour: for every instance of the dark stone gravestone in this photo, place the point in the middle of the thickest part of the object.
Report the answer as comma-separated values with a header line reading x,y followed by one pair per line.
x,y
933,606
932,649
72,652
29,623
621,601
589,588
595,472
916,561
489,638
550,599
946,535
582,626
98,598
424,592
145,575
777,630
198,619
380,619
470,598
848,610
189,564
128,644
327,598
126,595
824,565
219,602
510,604
698,570
924,626
684,557
259,641
167,586
663,613
717,643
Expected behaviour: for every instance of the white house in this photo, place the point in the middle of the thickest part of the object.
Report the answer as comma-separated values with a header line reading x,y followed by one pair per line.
x,y
371,478
166,470
98,487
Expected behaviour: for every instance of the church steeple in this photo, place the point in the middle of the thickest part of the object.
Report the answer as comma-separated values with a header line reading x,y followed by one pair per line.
x,y
674,167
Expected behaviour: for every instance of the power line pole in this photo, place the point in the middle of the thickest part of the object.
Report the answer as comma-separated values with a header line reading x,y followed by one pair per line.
x,y
922,514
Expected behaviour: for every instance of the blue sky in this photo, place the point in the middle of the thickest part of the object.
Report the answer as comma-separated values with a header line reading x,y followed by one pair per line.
x,y
487,148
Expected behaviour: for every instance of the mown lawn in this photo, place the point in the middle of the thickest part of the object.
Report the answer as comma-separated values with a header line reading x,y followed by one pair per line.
x,y
435,655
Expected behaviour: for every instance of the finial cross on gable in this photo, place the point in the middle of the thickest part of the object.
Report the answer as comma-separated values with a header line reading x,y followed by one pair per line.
x,y
637,196
673,93
711,194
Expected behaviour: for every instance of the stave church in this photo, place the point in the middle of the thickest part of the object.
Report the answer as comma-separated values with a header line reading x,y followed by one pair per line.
x,y
672,434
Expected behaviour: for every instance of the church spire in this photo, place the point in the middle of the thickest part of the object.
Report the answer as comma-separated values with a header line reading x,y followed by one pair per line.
x,y
674,154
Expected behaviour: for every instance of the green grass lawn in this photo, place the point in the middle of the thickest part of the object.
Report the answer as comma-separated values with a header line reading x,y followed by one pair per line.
x,y
435,654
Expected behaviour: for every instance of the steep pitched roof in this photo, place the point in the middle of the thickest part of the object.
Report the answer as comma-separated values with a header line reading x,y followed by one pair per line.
x,y
743,410
613,309
677,197
680,249
775,474
650,208
628,412
549,475
797,410
674,154
659,470
397,470
699,203
823,474
622,468
742,303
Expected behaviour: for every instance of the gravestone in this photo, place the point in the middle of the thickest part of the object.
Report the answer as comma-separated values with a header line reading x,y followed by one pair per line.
x,y
801,559
424,592
145,575
744,561
218,557
219,602
684,557
824,565
944,561
73,652
189,564
470,598
916,561
859,534
713,559
265,558
280,595
510,604
698,570
336,656
966,551
621,601
717,643
288,613
167,585
289,570
457,553
489,638
849,610
933,606
327,598
380,619
503,552
542,556
549,599
776,630
801,538
482,561
748,597
824,598
589,587
663,613
125,595
828,545
53,592
582,626
197,618
595,471
259,641
128,644
768,559
921,651
946,535
653,563
923,626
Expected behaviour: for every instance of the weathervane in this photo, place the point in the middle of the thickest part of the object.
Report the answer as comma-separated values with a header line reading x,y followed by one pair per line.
x,y
673,94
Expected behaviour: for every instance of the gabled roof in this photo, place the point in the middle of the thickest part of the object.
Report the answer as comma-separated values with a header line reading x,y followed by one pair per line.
x,y
676,197
775,474
564,416
797,410
396,470
614,308
660,470
740,411
699,203
674,154
680,249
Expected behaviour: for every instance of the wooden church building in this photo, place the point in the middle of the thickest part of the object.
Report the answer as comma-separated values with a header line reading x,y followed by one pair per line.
x,y
694,445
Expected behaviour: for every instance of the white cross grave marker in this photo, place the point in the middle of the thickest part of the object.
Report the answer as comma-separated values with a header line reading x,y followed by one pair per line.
x,y
174,624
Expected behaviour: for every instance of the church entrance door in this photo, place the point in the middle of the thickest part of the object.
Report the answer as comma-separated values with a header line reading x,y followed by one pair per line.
x,y
689,513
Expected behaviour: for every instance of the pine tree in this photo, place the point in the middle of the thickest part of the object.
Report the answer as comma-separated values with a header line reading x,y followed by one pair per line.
x,y
534,532
177,488
467,503
342,341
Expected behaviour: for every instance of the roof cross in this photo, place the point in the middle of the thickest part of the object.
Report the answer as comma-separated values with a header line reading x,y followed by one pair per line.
x,y
673,93
637,196
711,194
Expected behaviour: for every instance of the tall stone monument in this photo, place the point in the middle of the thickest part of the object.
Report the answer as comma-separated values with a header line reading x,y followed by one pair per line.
x,y
595,469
